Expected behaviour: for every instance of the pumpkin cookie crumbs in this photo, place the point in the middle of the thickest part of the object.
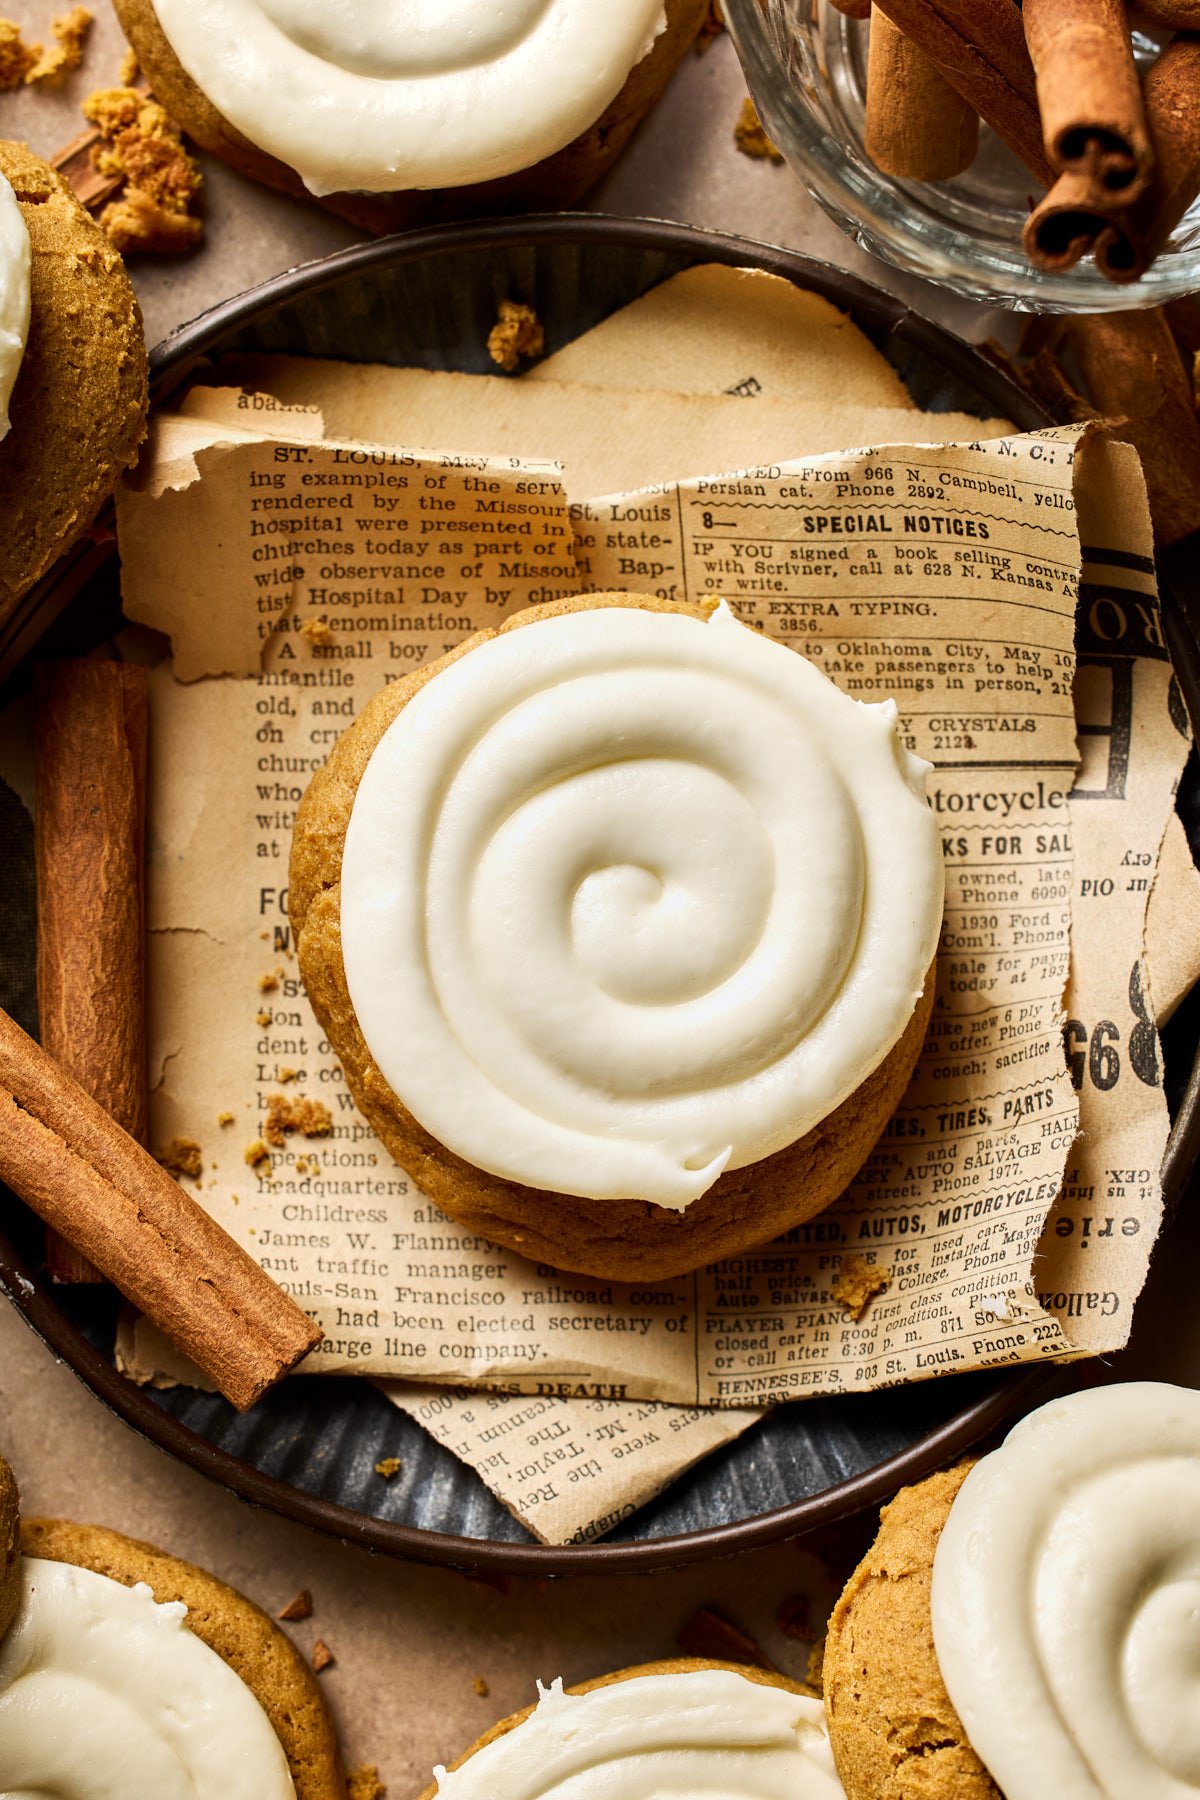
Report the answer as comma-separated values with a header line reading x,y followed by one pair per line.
x,y
143,147
23,64
858,1282
129,68
750,136
311,1118
270,981
322,1656
300,1606
182,1156
317,631
517,333
224,1118
363,1783
711,29
481,1687
262,1018
389,1467
256,1155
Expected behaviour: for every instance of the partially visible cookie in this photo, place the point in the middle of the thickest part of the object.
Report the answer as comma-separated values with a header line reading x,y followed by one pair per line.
x,y
78,409
242,1635
680,1665
894,1732
10,1548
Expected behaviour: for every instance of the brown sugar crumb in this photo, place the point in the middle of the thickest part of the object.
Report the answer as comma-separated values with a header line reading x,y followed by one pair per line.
x,y
129,68
858,1282
17,57
256,1155
224,1118
389,1467
750,137
270,981
143,148
300,1606
317,631
322,1656
182,1156
363,1783
311,1118
481,1687
708,1633
517,333
711,29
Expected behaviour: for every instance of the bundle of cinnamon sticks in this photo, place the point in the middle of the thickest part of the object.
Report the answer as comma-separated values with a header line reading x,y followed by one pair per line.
x,y
1117,151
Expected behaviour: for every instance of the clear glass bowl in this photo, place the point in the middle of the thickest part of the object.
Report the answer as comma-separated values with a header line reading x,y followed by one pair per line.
x,y
806,66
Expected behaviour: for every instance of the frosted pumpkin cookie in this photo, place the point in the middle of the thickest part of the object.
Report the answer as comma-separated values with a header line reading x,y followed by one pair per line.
x,y
124,1670
620,920
73,375
1030,1626
672,1728
375,107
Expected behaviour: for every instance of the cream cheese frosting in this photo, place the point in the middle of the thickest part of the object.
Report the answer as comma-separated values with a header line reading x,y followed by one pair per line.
x,y
1066,1599
105,1695
15,265
704,1734
376,95
630,897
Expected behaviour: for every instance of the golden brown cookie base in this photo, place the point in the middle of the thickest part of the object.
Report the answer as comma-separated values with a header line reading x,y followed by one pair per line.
x,y
10,1548
78,409
552,184
894,1732
680,1665
243,1636
615,1240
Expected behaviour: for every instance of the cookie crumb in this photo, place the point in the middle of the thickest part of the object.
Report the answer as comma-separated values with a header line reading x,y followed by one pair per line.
x,y
262,1018
363,1783
708,1633
65,54
750,135
300,1606
317,631
516,334
143,148
389,1467
311,1118
711,28
481,1687
223,1119
17,57
287,1073
270,981
814,1674
256,1155
858,1282
129,71
182,1156
322,1656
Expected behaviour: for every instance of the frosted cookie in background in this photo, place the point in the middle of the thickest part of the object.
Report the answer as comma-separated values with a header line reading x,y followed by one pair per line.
x,y
621,921
686,1727
73,373
1030,1625
395,114
124,1670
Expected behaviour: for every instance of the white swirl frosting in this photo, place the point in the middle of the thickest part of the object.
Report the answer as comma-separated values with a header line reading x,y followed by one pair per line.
x,y
630,897
104,1694
15,264
703,1734
1066,1599
376,95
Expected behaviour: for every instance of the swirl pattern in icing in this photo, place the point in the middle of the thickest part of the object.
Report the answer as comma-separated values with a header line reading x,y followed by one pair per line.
x,y
15,263
374,95
678,1736
630,897
105,1693
1066,1599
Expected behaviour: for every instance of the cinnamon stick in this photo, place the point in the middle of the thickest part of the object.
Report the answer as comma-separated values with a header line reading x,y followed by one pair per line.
x,y
80,1172
917,125
1093,120
1175,15
1068,223
1126,239
1134,374
90,761
979,46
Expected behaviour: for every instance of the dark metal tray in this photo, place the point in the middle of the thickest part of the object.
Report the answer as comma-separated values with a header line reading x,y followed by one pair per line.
x,y
308,1450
